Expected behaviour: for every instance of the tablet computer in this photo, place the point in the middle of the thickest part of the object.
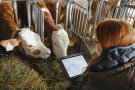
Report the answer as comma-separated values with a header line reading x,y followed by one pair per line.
x,y
73,65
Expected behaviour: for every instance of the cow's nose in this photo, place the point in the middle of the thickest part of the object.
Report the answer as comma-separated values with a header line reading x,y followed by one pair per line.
x,y
47,52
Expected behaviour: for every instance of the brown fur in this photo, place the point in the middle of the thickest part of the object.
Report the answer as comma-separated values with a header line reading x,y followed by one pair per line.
x,y
49,25
51,6
7,23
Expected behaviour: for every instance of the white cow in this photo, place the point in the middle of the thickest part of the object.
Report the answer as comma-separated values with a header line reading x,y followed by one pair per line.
x,y
60,42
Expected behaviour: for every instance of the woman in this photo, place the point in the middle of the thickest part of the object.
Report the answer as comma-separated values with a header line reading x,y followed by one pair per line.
x,y
114,68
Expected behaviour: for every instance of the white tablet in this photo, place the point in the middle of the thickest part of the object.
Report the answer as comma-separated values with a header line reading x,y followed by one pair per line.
x,y
73,65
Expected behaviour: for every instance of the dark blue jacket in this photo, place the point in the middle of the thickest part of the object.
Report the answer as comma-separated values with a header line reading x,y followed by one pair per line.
x,y
115,70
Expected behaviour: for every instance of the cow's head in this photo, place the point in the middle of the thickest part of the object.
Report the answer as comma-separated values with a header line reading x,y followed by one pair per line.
x,y
32,45
60,42
29,44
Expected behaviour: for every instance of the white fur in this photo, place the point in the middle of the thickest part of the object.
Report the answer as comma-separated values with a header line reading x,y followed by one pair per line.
x,y
45,10
30,38
60,42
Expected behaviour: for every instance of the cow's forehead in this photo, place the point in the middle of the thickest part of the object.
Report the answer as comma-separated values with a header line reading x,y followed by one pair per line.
x,y
29,37
60,35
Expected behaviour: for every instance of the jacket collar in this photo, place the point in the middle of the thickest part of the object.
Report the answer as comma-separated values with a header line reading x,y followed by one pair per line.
x,y
104,74
113,57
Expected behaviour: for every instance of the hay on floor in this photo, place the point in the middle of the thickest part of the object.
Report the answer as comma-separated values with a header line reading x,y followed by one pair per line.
x,y
15,74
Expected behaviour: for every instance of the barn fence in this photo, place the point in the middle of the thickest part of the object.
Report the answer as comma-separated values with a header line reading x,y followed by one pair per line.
x,y
105,10
37,17
77,18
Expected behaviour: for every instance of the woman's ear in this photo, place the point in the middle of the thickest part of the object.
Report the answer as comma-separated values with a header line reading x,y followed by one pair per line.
x,y
98,49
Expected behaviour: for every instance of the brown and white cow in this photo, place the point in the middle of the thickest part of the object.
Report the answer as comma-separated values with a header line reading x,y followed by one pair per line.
x,y
58,37
29,43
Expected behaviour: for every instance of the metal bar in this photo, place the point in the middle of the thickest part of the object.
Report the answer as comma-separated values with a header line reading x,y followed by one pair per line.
x,y
38,19
38,22
42,26
114,11
74,19
71,18
131,17
80,5
82,23
79,22
56,7
100,6
95,20
76,22
87,18
121,12
34,16
28,3
15,11
67,13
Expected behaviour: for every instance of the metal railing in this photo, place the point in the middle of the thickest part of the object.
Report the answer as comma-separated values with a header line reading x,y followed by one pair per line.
x,y
37,18
37,15
106,10
77,18
56,9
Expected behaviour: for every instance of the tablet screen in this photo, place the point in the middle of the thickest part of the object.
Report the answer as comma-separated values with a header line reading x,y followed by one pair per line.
x,y
75,65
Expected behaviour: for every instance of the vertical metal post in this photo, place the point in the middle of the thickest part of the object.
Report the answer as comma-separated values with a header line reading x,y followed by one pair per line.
x,y
95,20
68,2
88,14
72,9
28,4
56,9
42,26
14,10
67,11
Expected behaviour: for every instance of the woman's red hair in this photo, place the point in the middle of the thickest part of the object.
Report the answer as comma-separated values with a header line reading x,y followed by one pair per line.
x,y
113,33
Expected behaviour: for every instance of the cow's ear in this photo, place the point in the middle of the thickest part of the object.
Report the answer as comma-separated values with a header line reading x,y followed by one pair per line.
x,y
10,44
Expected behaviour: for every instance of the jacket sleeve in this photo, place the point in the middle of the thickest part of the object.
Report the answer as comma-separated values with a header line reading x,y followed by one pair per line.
x,y
90,85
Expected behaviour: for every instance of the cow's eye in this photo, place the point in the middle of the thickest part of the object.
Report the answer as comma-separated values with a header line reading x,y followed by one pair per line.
x,y
30,47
